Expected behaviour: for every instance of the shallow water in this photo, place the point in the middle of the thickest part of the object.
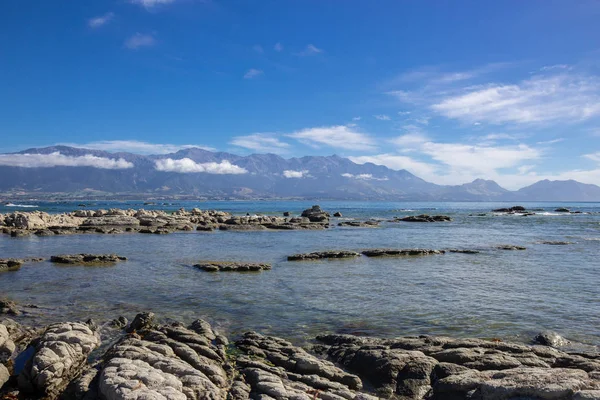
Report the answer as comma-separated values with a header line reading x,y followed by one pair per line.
x,y
497,293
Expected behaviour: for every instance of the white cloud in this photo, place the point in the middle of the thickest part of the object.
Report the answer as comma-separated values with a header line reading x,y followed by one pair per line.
x,y
553,141
340,136
364,177
593,156
258,48
252,73
97,22
356,119
295,174
151,3
140,40
57,159
187,165
310,50
382,117
410,140
500,136
138,147
278,47
539,100
261,142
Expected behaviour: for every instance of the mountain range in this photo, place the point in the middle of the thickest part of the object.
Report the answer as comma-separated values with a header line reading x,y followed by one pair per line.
x,y
195,172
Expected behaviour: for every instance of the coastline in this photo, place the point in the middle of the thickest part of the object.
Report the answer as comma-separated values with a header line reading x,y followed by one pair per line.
x,y
147,359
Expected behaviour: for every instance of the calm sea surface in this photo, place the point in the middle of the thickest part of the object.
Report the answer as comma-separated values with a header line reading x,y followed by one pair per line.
x,y
505,294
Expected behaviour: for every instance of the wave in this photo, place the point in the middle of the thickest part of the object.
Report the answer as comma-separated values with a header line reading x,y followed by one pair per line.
x,y
20,205
593,239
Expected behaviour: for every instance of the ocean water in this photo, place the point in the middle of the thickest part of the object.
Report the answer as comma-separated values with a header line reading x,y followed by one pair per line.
x,y
494,294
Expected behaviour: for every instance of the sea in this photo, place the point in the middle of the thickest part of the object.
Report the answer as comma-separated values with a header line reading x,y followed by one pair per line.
x,y
503,294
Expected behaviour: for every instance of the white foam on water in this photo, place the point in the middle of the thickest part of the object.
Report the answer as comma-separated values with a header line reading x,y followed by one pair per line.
x,y
20,205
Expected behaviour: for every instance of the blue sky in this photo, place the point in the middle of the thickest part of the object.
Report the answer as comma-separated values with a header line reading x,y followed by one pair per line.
x,y
450,90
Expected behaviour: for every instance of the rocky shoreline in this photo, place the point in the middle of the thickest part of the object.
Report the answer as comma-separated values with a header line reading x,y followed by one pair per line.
x,y
149,360
117,221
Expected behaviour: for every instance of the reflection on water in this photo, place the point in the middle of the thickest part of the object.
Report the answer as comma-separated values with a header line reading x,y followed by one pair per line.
x,y
506,294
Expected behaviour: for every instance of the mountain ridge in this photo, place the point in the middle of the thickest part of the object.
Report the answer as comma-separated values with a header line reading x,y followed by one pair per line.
x,y
266,176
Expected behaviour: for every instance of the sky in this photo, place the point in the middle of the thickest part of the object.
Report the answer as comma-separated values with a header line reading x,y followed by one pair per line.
x,y
451,91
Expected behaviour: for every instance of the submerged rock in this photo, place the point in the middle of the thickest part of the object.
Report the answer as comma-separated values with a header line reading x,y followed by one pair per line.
x,y
424,218
214,266
10,264
510,247
400,252
318,255
463,251
360,224
87,258
9,307
562,209
59,356
514,209
555,242
550,338
337,214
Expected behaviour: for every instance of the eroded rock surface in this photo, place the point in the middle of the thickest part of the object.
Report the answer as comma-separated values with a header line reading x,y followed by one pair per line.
x,y
10,264
318,255
446,368
400,252
60,354
227,266
87,259
359,224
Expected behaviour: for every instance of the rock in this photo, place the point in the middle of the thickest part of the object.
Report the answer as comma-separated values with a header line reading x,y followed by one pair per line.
x,y
19,233
550,338
315,214
323,254
514,209
359,224
424,218
171,362
214,266
87,259
119,323
463,251
510,247
274,368
7,345
10,264
555,242
142,321
286,214
60,354
518,383
337,214
562,209
400,252
9,307
4,375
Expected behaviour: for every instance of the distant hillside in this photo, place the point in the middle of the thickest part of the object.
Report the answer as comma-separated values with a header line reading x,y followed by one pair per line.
x,y
202,173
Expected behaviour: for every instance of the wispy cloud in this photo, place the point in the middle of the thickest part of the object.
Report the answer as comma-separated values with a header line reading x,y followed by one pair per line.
x,y
340,136
559,98
278,47
57,159
187,165
101,20
290,174
382,117
261,142
310,50
356,119
553,141
258,48
593,156
398,162
364,177
253,73
140,40
135,146
148,4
